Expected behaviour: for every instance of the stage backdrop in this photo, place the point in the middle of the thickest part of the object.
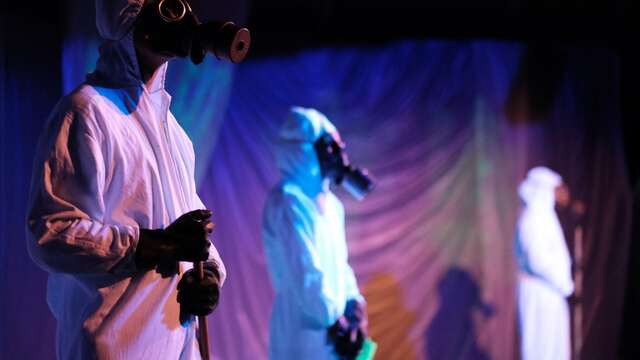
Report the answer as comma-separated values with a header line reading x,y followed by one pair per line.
x,y
448,129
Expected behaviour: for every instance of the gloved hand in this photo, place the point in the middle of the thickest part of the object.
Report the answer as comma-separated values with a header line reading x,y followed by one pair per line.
x,y
199,297
184,240
347,340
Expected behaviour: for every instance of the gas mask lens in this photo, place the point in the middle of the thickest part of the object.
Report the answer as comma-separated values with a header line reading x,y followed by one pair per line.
x,y
171,27
334,165
173,10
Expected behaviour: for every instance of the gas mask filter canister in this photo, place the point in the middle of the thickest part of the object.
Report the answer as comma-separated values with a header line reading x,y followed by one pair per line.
x,y
172,28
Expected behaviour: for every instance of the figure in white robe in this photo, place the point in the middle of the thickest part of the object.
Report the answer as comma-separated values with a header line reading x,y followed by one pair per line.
x,y
544,276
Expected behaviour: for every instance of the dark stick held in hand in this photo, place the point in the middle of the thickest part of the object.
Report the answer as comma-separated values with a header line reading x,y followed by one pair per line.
x,y
203,331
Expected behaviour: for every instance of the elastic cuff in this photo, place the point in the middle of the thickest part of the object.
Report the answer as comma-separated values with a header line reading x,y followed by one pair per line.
x,y
131,235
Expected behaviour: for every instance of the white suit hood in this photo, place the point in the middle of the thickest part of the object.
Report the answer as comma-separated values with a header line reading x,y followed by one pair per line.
x,y
118,64
295,155
538,189
115,18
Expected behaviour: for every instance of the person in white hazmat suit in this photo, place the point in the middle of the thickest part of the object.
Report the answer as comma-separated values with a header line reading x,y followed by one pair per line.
x,y
316,293
544,264
114,216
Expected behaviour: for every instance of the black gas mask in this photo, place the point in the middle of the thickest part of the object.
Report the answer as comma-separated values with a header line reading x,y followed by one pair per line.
x,y
334,165
172,28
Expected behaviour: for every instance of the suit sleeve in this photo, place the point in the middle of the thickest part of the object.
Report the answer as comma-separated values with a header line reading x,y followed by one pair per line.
x,y
352,285
351,282
66,231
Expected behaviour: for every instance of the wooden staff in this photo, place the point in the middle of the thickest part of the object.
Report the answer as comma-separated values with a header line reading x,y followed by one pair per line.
x,y
203,331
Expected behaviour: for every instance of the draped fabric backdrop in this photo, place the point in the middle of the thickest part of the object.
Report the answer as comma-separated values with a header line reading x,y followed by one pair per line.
x,y
447,128
432,246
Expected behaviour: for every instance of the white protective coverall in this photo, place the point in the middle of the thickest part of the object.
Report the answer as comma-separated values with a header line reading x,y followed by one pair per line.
x,y
305,246
112,160
544,279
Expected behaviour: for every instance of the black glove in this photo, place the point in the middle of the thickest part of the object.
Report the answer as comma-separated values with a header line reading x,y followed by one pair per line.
x,y
199,297
355,312
347,340
184,240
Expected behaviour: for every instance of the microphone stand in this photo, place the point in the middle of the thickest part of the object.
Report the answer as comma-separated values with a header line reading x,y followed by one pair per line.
x,y
577,307
578,209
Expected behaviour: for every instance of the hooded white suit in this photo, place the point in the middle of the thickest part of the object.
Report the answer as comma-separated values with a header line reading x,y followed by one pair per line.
x,y
544,264
112,160
305,247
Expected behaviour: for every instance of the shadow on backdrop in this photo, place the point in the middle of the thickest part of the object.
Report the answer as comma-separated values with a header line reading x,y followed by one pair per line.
x,y
451,334
390,321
